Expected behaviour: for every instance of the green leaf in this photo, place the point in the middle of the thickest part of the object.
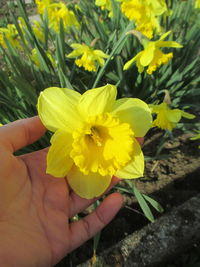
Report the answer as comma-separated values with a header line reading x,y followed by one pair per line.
x,y
141,200
26,89
60,48
124,189
115,50
154,203
143,204
64,81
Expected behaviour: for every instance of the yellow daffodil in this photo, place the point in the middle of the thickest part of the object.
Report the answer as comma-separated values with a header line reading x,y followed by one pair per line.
x,y
11,34
36,26
152,56
197,4
22,23
158,7
145,14
105,4
147,27
94,136
60,11
35,58
57,11
168,118
90,58
42,5
38,31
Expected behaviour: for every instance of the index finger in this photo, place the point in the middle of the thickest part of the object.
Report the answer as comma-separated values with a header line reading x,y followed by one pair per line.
x,y
21,133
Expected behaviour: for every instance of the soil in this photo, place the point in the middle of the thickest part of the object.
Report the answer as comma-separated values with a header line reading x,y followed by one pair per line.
x,y
171,179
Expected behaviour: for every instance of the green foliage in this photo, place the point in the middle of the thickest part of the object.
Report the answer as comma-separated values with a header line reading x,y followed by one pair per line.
x,y
142,199
21,80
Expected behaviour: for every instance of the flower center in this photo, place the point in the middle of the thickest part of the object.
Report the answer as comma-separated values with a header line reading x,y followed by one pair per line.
x,y
95,136
102,145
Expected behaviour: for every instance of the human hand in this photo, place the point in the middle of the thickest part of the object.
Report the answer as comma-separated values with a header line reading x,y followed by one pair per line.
x,y
35,208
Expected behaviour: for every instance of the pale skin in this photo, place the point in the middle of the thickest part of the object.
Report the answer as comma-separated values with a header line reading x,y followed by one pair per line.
x,y
35,208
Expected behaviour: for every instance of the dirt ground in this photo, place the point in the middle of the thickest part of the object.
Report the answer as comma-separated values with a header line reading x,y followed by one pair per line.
x,y
170,180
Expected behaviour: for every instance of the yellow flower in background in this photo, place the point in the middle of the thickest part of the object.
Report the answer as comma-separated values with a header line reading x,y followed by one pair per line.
x,y
90,58
168,118
35,58
56,12
36,26
22,23
42,5
158,7
38,31
197,4
60,11
1,124
147,27
2,43
152,56
105,4
145,13
11,34
94,136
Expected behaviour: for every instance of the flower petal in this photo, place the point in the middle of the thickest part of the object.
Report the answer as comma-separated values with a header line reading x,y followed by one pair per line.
x,y
87,186
97,101
135,112
75,53
57,108
164,35
168,44
130,62
135,168
156,108
77,46
100,53
58,159
148,54
173,115
187,115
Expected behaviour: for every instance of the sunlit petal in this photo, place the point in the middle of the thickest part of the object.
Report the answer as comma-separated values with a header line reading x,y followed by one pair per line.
x,y
97,101
135,168
187,115
163,37
148,54
58,159
135,112
173,115
87,186
57,109
131,61
168,44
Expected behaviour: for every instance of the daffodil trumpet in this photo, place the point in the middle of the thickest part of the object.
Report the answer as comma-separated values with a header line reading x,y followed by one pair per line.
x,y
94,136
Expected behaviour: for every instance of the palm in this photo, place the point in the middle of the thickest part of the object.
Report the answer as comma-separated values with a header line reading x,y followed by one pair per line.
x,y
36,209
51,202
